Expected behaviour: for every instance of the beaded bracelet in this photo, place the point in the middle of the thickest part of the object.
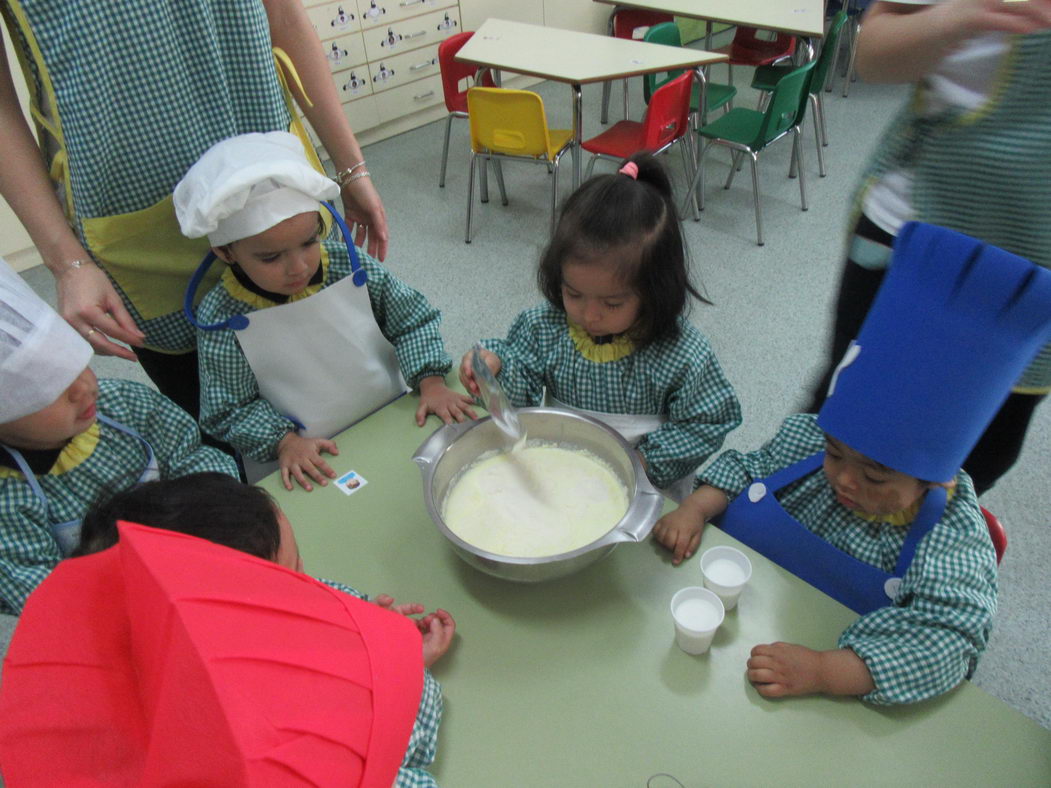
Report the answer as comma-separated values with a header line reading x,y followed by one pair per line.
x,y
346,176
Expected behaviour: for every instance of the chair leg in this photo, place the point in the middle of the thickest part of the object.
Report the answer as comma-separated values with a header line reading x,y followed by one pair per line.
x,y
625,83
824,126
554,197
736,163
695,191
814,101
500,180
606,89
591,166
470,197
855,34
755,198
445,150
483,179
798,143
687,163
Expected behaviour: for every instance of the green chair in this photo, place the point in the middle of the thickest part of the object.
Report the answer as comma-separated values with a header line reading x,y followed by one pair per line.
x,y
748,131
766,77
716,95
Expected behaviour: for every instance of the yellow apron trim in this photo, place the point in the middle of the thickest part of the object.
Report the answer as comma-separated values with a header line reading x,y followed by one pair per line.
x,y
242,293
996,92
619,348
148,257
905,516
54,128
1035,391
79,448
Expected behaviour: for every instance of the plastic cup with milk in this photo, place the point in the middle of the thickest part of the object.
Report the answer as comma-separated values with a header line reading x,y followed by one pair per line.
x,y
698,612
726,571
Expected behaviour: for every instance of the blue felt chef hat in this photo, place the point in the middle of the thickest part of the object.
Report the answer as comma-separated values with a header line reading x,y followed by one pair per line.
x,y
953,326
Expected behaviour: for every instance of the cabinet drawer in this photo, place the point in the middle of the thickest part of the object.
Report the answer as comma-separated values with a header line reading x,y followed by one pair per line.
x,y
407,99
406,67
374,13
420,31
353,83
344,51
334,19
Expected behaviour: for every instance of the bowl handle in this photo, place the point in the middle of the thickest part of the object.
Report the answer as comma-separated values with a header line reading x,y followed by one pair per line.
x,y
643,514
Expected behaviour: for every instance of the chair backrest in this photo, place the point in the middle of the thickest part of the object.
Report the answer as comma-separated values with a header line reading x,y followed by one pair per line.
x,y
748,48
668,115
666,33
996,533
623,22
507,121
829,48
787,104
453,71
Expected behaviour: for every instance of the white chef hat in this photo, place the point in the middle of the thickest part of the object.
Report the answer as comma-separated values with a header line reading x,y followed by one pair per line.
x,y
40,353
245,185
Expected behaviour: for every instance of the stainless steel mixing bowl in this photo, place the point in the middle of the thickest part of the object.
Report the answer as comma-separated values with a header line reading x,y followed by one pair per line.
x,y
452,448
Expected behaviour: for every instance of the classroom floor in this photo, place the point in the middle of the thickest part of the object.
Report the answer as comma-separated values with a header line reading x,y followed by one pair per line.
x,y
769,319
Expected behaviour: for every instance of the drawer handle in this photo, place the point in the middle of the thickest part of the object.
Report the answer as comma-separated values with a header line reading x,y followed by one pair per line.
x,y
417,34
424,64
422,96
407,3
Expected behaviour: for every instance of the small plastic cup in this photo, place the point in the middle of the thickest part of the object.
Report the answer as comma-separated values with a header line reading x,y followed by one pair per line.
x,y
726,571
698,612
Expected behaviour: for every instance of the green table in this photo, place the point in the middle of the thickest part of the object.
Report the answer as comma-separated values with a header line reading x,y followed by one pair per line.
x,y
579,683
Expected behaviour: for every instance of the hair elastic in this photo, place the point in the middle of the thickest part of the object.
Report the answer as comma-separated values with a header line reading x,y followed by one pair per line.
x,y
631,169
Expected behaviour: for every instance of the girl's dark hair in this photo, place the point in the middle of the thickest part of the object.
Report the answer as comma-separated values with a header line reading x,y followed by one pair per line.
x,y
629,223
212,506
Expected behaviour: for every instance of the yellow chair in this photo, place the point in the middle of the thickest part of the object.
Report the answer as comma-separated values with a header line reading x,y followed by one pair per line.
x,y
511,124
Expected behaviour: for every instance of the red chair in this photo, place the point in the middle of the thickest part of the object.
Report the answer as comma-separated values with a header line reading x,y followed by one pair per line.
x,y
747,49
996,533
667,121
453,73
623,23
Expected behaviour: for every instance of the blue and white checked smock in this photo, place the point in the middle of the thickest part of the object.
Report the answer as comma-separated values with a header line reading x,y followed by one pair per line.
x,y
102,460
423,743
232,408
930,640
679,378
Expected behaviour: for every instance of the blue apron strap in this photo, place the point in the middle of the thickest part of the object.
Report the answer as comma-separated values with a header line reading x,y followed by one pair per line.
x,y
358,274
929,514
236,322
23,466
151,457
794,472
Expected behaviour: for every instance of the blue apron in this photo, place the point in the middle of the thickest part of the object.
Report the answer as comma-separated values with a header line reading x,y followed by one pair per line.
x,y
756,518
67,533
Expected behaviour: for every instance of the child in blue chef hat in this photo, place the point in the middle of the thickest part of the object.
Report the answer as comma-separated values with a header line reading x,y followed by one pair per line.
x,y
866,500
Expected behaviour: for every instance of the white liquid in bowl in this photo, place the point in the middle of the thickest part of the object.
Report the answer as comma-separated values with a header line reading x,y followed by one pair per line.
x,y
534,502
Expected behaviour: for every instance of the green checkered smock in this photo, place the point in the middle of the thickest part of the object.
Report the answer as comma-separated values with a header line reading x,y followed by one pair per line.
x,y
679,378
423,742
231,406
28,551
141,90
930,640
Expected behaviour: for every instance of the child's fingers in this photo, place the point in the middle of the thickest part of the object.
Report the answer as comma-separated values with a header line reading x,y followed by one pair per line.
x,y
328,446
682,544
384,600
297,472
421,414
318,467
285,479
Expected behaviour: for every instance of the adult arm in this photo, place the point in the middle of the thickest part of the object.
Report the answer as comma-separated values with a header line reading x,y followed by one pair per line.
x,y
290,29
903,42
86,298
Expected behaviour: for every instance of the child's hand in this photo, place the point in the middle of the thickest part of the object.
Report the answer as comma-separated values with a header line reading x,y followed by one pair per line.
x,y
781,669
301,457
446,404
467,374
680,531
437,628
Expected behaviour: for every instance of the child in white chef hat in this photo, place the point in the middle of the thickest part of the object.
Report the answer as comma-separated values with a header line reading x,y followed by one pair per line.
x,y
66,438
303,335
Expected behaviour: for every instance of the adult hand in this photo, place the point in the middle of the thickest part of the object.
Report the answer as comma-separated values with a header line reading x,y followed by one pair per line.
x,y
89,303
301,458
364,208
446,404
467,374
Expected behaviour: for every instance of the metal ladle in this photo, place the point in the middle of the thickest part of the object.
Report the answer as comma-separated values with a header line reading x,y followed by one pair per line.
x,y
494,398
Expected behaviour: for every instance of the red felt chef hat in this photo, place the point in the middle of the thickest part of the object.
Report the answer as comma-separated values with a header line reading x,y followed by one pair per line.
x,y
168,659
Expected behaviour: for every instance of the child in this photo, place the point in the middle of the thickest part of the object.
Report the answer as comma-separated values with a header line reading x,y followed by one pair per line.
x,y
866,501
613,340
280,383
222,510
65,437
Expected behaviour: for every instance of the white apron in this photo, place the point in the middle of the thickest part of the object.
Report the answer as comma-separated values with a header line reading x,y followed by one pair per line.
x,y
633,427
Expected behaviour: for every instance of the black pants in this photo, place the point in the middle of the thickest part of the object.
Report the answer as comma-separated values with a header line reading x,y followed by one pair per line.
x,y
176,377
1000,444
